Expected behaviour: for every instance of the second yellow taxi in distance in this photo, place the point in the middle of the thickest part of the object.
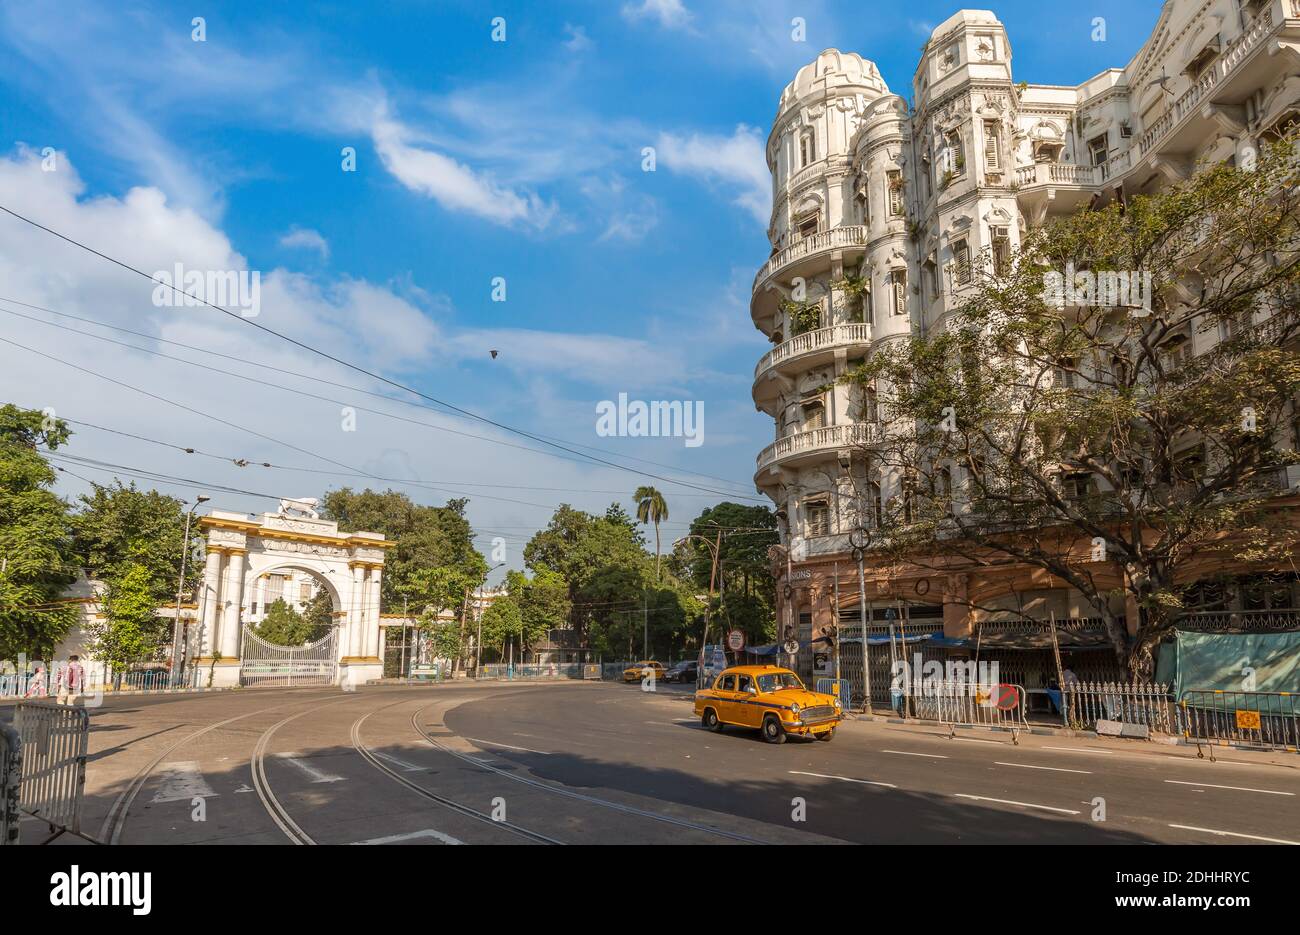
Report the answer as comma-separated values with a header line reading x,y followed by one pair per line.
x,y
636,671
769,698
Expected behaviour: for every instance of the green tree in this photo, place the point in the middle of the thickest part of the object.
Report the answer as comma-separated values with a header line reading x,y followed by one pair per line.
x,y
502,620
651,508
1084,440
37,561
285,626
120,527
543,602
131,630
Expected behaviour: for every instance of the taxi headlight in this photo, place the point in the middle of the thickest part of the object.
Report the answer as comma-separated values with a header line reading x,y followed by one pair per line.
x,y
838,705
795,707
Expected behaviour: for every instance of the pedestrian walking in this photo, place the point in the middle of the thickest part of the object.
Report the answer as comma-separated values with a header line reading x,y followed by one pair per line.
x,y
38,685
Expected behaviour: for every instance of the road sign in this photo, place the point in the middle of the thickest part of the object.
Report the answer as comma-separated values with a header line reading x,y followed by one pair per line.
x,y
735,641
1248,720
1007,698
791,647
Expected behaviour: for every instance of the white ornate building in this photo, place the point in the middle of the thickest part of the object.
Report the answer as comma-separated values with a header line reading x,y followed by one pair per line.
x,y
905,200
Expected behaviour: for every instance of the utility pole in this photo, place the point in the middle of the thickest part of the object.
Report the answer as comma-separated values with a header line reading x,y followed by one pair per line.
x,y
645,623
180,586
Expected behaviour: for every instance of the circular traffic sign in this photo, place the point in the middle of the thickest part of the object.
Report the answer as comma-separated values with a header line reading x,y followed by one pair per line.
x,y
859,537
791,647
735,641
1006,698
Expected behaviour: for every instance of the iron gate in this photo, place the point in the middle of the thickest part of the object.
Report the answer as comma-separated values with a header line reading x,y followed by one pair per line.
x,y
266,664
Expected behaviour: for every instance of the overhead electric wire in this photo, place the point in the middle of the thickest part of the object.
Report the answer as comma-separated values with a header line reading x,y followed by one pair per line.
x,y
325,354
338,402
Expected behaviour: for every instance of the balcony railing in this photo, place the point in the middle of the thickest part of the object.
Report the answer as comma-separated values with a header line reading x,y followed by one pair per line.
x,y
1190,101
849,236
1056,173
834,336
1252,621
829,437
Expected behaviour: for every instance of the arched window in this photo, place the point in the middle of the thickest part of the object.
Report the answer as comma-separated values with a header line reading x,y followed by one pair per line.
x,y
807,147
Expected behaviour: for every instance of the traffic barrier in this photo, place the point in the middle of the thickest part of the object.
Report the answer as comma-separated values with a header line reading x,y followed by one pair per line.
x,y
970,704
1115,707
1269,720
591,671
537,670
53,740
840,688
11,765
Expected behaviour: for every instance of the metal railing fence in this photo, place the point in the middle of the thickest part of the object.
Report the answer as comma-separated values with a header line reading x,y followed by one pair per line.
x,y
840,688
53,763
1144,703
1258,719
969,704
11,765
542,670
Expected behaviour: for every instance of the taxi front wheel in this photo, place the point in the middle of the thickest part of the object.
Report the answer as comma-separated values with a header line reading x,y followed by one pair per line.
x,y
710,720
773,732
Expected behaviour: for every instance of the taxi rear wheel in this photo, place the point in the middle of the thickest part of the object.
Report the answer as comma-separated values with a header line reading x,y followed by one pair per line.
x,y
710,720
773,732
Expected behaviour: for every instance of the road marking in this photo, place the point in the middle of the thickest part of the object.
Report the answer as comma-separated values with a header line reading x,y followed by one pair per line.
x,y
1210,785
182,782
865,782
1049,808
1234,834
493,743
977,740
409,767
1082,750
427,833
1055,769
315,774
933,756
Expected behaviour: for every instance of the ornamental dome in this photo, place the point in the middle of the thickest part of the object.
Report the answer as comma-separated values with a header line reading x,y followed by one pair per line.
x,y
831,71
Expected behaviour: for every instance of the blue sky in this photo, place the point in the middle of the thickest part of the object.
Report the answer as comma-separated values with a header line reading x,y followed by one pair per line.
x,y
475,159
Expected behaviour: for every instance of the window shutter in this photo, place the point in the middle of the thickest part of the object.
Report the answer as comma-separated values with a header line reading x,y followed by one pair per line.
x,y
992,161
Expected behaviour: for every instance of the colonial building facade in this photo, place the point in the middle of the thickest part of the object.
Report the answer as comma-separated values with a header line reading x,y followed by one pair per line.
x,y
878,210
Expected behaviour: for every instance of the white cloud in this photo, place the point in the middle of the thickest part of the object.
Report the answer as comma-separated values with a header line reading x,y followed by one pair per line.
x,y
452,184
307,239
736,162
578,40
630,216
670,13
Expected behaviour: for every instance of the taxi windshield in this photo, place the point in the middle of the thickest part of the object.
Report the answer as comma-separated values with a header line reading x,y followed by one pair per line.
x,y
777,681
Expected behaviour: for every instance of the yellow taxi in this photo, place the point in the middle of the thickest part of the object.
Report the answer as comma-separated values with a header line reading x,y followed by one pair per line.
x,y
770,699
636,671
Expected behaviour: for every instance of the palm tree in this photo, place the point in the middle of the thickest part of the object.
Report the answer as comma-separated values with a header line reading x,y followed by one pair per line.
x,y
651,508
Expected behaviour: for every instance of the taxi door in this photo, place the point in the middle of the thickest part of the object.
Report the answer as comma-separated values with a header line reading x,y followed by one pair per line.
x,y
725,695
748,712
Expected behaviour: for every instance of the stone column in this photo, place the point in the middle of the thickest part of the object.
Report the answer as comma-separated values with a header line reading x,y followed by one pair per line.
x,y
372,626
957,620
356,611
261,596
233,596
210,603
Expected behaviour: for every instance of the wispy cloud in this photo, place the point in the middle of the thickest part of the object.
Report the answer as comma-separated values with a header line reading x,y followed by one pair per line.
x,y
578,40
670,14
307,239
452,184
735,162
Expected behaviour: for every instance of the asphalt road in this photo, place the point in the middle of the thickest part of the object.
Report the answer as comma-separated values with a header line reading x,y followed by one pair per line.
x,y
572,763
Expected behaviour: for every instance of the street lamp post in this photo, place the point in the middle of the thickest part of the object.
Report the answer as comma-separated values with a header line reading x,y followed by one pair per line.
x,y
715,547
859,539
180,587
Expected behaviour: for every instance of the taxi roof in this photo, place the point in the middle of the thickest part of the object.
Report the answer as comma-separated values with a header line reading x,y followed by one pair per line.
x,y
758,670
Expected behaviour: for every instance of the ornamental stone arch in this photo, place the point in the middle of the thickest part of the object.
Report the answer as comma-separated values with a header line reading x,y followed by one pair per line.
x,y
242,552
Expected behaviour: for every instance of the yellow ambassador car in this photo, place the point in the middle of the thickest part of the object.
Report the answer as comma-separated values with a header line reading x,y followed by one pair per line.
x,y
770,699
636,671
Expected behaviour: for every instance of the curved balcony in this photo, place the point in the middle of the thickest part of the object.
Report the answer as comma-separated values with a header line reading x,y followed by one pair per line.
x,y
814,443
803,351
1067,185
807,249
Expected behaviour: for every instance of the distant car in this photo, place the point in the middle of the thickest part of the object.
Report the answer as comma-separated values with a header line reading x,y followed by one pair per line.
x,y
771,699
636,671
688,670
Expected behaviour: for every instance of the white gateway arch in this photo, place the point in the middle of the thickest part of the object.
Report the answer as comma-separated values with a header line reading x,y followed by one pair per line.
x,y
242,552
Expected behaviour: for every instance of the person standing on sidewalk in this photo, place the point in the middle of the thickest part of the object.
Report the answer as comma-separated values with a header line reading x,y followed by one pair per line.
x,y
71,678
